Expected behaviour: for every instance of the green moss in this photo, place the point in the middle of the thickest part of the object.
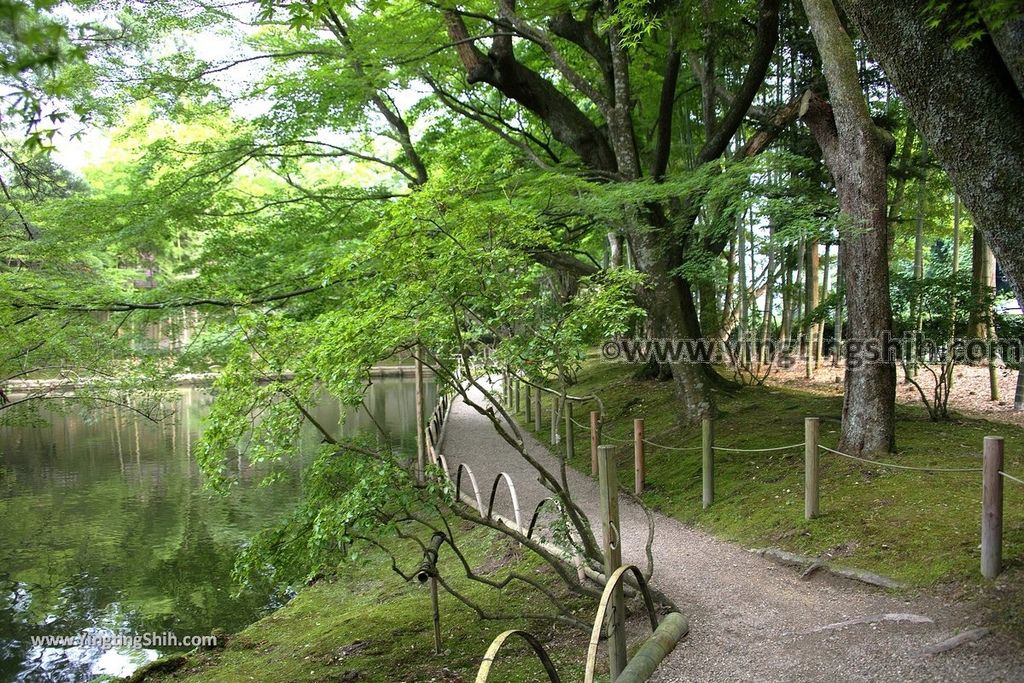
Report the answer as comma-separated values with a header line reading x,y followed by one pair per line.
x,y
918,528
367,624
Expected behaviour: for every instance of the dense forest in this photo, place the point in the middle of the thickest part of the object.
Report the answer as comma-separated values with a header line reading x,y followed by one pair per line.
x,y
286,194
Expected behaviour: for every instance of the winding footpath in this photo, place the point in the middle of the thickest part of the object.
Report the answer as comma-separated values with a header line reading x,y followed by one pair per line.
x,y
751,619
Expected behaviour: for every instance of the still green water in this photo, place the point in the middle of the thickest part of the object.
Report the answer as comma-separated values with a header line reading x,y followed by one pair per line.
x,y
106,528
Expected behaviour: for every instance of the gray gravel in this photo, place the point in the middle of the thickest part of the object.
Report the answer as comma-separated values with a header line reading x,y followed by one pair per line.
x,y
751,619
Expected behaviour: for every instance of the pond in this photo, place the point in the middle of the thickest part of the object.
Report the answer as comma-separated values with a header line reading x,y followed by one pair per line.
x,y
106,528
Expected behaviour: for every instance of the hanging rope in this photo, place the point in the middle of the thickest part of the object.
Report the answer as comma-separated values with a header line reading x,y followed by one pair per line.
x,y
673,448
758,450
900,467
1013,478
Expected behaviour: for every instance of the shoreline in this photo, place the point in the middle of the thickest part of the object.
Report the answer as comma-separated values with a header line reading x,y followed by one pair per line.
x,y
25,386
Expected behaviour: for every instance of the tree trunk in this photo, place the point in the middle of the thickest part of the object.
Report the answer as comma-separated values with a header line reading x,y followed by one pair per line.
x,y
741,241
820,345
710,322
916,314
1018,398
840,298
769,296
857,153
813,262
614,250
967,105
983,285
786,324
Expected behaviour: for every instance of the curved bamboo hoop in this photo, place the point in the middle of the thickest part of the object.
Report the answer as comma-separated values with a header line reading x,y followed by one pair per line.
x,y
595,635
536,514
512,491
484,672
472,480
443,462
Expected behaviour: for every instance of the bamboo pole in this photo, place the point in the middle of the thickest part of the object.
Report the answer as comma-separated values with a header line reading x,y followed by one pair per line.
x,y
595,439
642,664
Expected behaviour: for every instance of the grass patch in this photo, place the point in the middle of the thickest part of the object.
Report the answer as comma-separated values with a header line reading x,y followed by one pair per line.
x,y
367,624
918,528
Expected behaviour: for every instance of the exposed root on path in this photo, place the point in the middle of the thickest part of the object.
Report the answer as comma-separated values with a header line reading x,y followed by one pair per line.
x,y
897,617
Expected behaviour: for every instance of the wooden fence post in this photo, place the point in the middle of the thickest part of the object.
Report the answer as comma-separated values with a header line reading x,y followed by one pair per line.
x,y
515,384
595,439
639,472
529,405
992,508
570,433
609,488
707,441
812,430
537,407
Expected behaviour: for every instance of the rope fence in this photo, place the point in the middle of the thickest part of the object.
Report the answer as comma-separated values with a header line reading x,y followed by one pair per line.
x,y
1012,478
992,470
758,450
898,467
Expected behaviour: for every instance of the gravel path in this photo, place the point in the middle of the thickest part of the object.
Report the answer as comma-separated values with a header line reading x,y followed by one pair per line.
x,y
751,619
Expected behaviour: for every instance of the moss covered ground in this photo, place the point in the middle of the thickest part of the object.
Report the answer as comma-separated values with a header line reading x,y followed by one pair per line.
x,y
367,624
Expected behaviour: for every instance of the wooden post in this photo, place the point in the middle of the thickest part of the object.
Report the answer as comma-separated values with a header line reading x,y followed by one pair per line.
x,y
609,488
638,456
421,437
515,384
536,411
437,615
992,508
570,433
529,405
812,429
595,439
707,442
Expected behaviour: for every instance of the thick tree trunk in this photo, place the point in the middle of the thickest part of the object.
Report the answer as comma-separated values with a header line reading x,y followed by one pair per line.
x,y
663,300
967,105
857,153
869,421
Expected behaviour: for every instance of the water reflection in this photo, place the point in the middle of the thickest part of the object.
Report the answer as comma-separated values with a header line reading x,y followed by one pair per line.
x,y
105,527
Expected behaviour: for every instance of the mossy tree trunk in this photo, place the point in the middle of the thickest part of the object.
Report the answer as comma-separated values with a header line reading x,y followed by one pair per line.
x,y
857,152
968,104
